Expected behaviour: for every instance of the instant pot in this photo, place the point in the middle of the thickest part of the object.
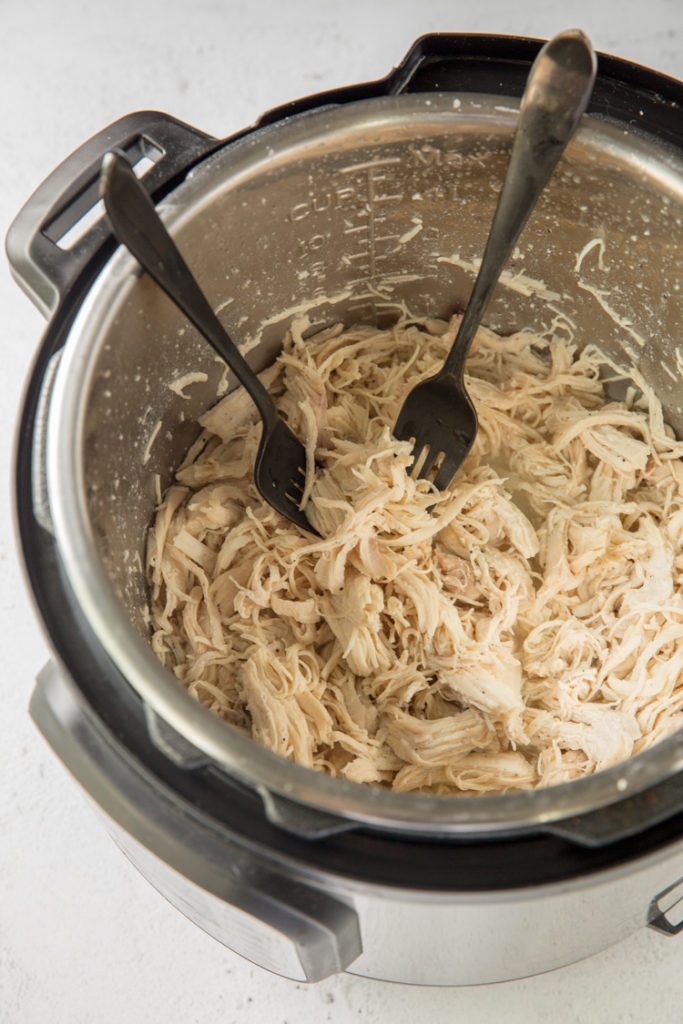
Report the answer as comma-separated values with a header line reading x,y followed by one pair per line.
x,y
362,204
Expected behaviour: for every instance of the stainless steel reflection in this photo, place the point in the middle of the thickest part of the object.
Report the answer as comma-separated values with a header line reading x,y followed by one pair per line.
x,y
349,214
437,938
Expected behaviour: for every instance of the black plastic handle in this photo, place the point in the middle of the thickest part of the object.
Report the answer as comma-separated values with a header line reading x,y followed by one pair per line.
x,y
499,65
41,261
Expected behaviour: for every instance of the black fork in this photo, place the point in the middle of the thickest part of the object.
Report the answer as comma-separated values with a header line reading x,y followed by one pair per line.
x,y
438,414
280,467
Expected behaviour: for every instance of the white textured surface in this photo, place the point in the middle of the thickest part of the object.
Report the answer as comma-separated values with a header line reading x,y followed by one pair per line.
x,y
83,938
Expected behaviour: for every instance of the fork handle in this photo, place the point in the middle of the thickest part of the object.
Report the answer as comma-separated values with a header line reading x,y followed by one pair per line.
x,y
138,226
556,95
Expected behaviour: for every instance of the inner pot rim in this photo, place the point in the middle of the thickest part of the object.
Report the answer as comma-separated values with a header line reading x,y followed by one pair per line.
x,y
231,750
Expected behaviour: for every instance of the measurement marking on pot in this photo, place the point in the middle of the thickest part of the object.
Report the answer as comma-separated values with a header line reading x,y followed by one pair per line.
x,y
369,164
372,228
391,198
373,180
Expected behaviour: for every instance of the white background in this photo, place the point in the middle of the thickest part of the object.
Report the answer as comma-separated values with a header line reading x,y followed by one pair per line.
x,y
83,939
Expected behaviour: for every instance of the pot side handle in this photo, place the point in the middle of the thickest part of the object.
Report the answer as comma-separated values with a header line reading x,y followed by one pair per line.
x,y
56,235
274,919
665,911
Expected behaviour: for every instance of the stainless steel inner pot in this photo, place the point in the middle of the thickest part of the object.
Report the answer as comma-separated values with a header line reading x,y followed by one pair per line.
x,y
353,213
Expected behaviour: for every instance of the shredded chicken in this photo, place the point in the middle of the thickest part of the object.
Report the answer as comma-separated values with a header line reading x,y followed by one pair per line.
x,y
520,629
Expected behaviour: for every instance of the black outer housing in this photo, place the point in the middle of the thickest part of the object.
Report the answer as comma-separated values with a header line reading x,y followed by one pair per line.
x,y
625,92
499,65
